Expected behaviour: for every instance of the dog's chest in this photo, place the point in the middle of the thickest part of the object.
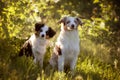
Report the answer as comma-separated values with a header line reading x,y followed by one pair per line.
x,y
38,45
69,42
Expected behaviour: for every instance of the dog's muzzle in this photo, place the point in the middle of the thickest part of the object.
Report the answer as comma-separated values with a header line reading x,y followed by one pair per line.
x,y
42,35
72,27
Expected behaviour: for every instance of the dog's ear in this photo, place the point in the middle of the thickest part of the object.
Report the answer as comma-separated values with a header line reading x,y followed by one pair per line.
x,y
79,21
62,20
38,26
51,32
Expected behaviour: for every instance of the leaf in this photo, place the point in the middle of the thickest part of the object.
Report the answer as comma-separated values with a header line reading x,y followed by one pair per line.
x,y
96,1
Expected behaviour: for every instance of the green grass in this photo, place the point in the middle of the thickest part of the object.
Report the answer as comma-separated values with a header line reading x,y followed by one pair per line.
x,y
90,65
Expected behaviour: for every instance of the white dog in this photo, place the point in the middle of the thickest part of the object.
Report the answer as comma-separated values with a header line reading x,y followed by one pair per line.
x,y
67,47
36,45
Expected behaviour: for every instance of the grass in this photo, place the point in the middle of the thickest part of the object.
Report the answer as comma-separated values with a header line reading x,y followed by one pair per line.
x,y
90,65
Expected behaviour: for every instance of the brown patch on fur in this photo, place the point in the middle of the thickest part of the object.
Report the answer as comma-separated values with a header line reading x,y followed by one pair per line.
x,y
54,59
58,50
79,21
37,33
50,33
26,49
65,28
38,27
63,20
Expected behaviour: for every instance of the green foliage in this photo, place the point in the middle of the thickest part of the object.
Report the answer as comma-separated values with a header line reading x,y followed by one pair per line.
x,y
100,50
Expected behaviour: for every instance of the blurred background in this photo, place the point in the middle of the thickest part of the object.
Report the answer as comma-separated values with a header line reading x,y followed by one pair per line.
x,y
99,57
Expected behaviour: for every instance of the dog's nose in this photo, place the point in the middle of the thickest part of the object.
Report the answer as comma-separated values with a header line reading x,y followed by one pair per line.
x,y
72,26
42,35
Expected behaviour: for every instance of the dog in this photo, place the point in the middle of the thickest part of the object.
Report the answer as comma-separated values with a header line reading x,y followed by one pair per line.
x,y
36,45
67,49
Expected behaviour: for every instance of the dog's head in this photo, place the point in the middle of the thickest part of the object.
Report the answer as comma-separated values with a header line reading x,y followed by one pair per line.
x,y
43,31
70,23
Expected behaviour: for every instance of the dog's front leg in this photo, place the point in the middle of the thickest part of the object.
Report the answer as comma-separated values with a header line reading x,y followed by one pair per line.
x,y
73,63
60,63
39,59
41,62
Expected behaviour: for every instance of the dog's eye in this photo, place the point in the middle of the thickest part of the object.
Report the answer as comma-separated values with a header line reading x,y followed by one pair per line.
x,y
40,30
68,22
47,32
75,21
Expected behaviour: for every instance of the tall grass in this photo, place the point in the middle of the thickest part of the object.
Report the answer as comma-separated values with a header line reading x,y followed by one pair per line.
x,y
93,64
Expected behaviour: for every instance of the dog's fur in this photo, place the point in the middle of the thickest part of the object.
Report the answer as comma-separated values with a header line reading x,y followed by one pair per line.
x,y
36,45
67,47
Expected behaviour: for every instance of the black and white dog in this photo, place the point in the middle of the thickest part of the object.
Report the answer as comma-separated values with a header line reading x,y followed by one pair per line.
x,y
36,45
67,47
